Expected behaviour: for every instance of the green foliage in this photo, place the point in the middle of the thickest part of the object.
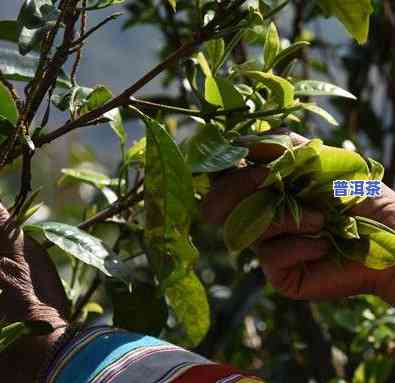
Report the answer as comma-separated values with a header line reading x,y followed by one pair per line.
x,y
166,273
208,151
84,247
354,14
23,68
8,109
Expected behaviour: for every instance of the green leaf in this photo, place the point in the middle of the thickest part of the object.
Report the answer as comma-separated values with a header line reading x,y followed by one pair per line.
x,y
169,202
208,151
354,14
215,52
116,124
250,219
23,68
314,108
281,90
34,20
11,333
84,247
173,3
30,39
136,152
286,56
72,99
9,30
377,170
221,92
141,310
272,46
294,208
375,249
100,4
24,213
169,207
188,300
91,177
98,97
320,88
8,108
334,164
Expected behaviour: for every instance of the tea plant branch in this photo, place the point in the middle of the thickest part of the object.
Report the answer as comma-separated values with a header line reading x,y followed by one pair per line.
x,y
43,81
117,207
188,112
85,36
79,46
124,98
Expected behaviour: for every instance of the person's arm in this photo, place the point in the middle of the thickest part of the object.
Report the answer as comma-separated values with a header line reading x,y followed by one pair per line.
x,y
31,291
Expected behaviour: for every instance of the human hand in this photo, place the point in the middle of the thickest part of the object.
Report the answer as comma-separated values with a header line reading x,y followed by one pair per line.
x,y
301,268
31,291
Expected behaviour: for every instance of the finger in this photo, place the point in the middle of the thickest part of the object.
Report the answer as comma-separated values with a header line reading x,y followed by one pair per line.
x,y
325,279
289,251
228,191
266,152
311,222
296,138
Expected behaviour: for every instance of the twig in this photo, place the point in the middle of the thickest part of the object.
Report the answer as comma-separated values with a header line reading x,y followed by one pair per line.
x,y
124,98
188,112
79,48
84,36
114,209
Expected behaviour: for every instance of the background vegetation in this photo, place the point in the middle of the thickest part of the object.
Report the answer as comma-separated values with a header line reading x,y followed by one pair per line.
x,y
251,327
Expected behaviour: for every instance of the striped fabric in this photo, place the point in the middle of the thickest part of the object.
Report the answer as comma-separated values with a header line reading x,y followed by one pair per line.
x,y
107,355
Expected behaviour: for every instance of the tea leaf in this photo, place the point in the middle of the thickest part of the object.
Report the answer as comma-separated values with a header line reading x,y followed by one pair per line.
x,y
250,219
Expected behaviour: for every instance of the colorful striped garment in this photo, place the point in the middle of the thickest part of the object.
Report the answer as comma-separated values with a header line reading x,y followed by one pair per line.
x,y
105,354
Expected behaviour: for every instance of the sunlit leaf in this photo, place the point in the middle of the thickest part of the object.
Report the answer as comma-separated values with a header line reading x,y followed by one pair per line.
x,y
188,300
320,88
98,97
354,14
208,151
289,54
23,68
169,206
89,176
272,46
84,247
221,92
136,152
320,112
8,108
281,90
250,219
173,3
100,4
116,124
215,52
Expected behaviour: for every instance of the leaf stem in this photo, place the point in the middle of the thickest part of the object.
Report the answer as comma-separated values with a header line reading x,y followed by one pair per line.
x,y
188,112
